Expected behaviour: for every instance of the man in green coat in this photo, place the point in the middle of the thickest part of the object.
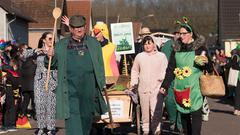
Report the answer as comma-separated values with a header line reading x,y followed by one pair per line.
x,y
81,79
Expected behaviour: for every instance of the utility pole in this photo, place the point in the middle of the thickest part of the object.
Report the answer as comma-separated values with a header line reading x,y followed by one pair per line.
x,y
239,17
106,10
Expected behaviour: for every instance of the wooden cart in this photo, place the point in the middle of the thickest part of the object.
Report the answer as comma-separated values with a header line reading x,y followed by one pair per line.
x,y
121,106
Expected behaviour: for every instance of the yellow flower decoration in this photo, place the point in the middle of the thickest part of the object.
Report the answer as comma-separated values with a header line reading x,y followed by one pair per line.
x,y
182,73
186,71
186,102
177,71
180,77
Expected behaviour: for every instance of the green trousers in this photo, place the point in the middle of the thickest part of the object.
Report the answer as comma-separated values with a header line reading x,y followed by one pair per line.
x,y
78,123
173,115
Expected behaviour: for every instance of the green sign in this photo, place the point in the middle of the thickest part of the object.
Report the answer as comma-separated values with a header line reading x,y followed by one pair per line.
x,y
122,37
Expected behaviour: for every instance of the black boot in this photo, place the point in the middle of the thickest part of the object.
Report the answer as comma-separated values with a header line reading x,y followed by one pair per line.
x,y
39,132
51,132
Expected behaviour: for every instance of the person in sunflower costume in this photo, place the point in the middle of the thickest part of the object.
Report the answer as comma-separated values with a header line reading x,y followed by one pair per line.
x,y
184,72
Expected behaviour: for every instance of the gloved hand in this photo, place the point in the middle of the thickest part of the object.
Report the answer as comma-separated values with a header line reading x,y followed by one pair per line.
x,y
201,60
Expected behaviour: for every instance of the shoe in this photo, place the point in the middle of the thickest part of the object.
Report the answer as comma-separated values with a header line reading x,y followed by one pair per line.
x,y
205,117
39,132
181,132
133,125
51,132
29,115
11,129
157,133
34,117
236,112
3,130
172,126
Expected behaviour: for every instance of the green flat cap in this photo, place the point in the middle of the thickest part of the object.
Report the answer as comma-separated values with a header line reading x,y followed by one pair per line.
x,y
77,21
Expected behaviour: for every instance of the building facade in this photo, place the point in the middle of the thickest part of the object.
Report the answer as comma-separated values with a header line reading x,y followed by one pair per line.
x,y
14,23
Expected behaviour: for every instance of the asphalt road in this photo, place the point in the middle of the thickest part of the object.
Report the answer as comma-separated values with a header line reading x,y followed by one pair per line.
x,y
221,122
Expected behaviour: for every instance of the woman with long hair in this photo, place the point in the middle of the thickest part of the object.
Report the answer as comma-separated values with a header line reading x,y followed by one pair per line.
x,y
45,100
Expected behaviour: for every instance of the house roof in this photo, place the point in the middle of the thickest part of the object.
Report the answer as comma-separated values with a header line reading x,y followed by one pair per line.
x,y
41,11
9,7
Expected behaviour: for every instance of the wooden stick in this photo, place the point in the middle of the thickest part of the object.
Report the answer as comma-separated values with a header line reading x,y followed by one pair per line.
x,y
109,108
56,14
111,124
125,64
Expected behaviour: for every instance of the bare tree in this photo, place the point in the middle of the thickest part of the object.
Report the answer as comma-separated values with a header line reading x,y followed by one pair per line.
x,y
202,13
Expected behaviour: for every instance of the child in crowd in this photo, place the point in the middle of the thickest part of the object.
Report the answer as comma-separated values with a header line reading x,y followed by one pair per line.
x,y
12,97
147,73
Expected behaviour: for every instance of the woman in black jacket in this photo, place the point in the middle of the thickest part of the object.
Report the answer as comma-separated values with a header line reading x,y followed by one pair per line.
x,y
28,68
187,61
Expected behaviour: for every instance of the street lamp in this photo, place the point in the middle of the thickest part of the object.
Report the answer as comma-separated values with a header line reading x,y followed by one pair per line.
x,y
106,11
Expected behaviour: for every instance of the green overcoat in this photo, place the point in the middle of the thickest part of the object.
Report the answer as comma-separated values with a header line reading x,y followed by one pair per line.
x,y
59,61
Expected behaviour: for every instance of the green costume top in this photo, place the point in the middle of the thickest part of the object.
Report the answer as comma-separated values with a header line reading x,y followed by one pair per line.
x,y
67,85
167,48
186,59
237,63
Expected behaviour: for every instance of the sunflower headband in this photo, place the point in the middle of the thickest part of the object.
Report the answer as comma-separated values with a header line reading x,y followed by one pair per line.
x,y
184,23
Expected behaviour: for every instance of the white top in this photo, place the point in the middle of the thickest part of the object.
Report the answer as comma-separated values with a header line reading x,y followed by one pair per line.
x,y
148,71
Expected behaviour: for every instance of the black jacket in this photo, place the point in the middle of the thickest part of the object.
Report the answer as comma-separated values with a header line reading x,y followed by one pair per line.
x,y
27,74
234,62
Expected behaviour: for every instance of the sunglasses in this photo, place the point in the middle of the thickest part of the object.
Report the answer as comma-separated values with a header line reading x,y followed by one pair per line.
x,y
49,38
